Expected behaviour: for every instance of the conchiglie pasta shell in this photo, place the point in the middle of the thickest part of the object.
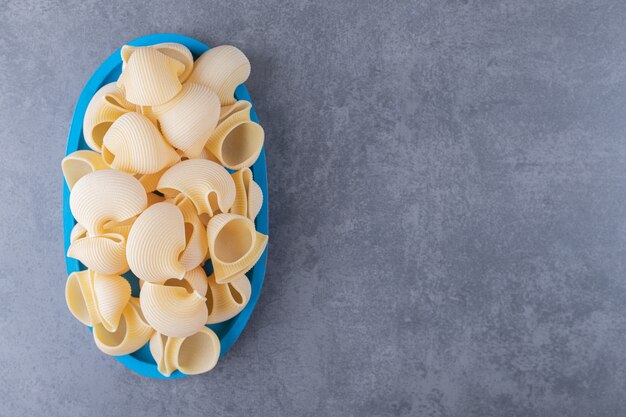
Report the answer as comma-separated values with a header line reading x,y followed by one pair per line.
x,y
134,145
174,50
234,244
80,298
221,69
80,163
191,355
188,119
196,246
106,106
132,333
225,301
105,254
249,197
171,310
155,243
207,184
150,77
237,141
96,298
106,195
112,294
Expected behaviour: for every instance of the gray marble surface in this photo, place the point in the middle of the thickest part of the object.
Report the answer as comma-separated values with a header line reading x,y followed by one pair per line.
x,y
448,209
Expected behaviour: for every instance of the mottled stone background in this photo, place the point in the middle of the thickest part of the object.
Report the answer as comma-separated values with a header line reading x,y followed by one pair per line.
x,y
448,209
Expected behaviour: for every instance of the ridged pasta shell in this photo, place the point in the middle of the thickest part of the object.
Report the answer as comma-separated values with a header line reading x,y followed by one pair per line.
x,y
155,243
97,298
225,301
150,77
132,333
173,50
234,244
221,69
171,310
207,184
237,141
105,254
249,198
122,228
106,195
134,145
192,355
105,107
196,246
80,163
188,119
240,105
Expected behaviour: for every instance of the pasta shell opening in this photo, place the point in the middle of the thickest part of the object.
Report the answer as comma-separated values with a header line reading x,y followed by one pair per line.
x,y
104,108
79,298
131,333
181,54
198,353
242,145
233,241
80,163
227,300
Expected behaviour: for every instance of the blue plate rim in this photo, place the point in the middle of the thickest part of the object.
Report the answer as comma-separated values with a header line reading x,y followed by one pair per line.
x,y
259,170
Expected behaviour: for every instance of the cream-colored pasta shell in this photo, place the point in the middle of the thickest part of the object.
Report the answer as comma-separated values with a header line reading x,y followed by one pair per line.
x,y
192,355
112,294
134,145
237,141
173,50
105,254
238,106
80,298
78,232
105,107
150,77
207,184
102,196
249,197
171,310
132,333
234,244
205,154
80,163
97,298
225,301
196,246
155,243
188,119
221,69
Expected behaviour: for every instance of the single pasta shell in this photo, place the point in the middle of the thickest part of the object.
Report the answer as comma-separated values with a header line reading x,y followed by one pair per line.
x,y
188,119
155,243
105,107
112,294
171,310
195,354
249,198
106,195
157,349
174,50
105,254
150,77
237,141
196,246
225,301
134,145
207,184
132,333
221,69
80,163
80,298
234,244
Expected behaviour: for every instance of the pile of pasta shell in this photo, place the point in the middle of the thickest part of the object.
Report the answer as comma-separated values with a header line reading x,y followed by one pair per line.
x,y
165,189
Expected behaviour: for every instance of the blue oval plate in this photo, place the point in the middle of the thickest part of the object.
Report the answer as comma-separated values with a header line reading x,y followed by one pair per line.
x,y
141,361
